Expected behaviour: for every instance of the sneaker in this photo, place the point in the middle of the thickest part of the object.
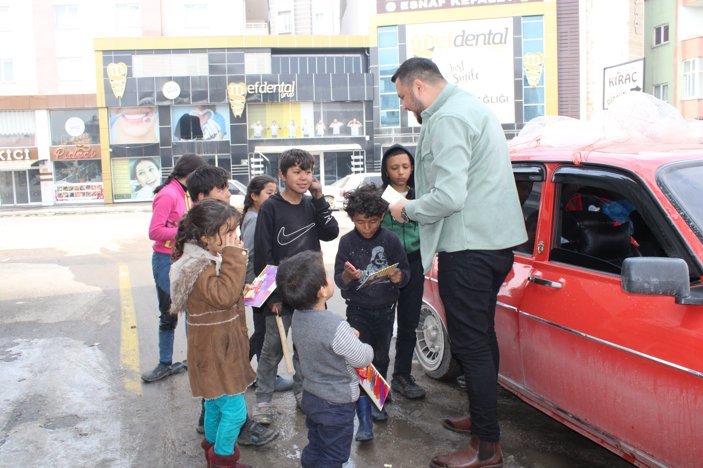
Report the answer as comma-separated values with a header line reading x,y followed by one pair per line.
x,y
255,434
282,384
406,386
162,371
263,413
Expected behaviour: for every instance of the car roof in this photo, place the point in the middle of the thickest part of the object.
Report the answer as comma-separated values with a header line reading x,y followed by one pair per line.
x,y
639,158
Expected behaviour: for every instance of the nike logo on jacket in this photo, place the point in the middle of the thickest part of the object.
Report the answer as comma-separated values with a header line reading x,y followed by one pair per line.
x,y
287,238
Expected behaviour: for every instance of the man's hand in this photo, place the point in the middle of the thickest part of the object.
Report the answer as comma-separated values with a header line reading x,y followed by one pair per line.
x,y
396,208
315,188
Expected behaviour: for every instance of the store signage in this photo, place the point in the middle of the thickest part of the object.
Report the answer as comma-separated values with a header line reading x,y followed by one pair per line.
x,y
171,90
283,89
117,74
74,126
18,154
63,153
393,6
621,79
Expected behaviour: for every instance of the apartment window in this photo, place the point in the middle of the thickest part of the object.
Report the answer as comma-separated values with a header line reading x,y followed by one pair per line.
x,y
195,15
661,34
661,91
692,79
285,22
66,16
128,16
7,70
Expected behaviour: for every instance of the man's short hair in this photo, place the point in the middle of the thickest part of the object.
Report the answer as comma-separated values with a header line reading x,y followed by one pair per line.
x,y
365,200
417,68
204,179
295,157
300,277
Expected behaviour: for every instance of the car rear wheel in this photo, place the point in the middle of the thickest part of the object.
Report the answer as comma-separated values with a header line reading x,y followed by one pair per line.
x,y
432,348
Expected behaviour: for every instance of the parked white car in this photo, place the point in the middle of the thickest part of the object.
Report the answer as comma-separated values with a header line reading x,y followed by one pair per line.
x,y
237,191
334,193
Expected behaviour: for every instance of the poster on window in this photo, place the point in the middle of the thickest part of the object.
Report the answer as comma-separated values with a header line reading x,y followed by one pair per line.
x,y
475,55
77,181
200,122
134,125
134,179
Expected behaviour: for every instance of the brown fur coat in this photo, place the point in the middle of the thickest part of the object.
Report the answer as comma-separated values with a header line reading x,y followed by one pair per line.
x,y
210,290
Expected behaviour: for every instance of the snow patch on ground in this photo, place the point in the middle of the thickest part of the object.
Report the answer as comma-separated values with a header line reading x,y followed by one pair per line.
x,y
64,409
59,300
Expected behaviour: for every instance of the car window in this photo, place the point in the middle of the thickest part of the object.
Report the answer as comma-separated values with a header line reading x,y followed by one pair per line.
x,y
683,184
529,180
376,180
598,228
233,189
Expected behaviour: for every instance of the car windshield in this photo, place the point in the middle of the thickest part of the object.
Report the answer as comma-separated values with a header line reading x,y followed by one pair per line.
x,y
683,183
340,182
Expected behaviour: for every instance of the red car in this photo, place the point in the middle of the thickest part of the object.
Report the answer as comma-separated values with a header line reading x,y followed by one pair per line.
x,y
600,322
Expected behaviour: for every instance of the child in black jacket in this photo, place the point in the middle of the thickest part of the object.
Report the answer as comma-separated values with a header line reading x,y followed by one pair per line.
x,y
370,300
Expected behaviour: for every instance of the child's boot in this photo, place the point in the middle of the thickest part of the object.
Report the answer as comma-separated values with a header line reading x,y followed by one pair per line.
x,y
206,448
226,461
363,412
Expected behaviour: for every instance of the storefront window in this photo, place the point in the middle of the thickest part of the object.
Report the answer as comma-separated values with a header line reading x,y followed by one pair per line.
x,y
74,127
78,181
533,67
20,187
135,178
200,122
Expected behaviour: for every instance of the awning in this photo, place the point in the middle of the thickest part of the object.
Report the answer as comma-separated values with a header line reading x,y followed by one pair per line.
x,y
309,148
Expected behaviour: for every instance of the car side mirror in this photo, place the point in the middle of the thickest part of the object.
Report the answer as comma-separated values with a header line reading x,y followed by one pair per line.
x,y
660,276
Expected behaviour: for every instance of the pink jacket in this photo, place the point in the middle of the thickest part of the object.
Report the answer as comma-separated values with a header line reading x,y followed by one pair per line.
x,y
167,210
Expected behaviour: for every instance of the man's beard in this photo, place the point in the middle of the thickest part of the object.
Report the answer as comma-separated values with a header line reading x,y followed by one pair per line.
x,y
418,117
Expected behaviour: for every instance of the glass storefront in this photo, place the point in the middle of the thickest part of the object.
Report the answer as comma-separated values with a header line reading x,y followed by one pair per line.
x,y
20,187
134,179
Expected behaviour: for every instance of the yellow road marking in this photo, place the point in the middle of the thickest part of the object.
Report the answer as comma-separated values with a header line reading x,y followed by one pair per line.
x,y
129,342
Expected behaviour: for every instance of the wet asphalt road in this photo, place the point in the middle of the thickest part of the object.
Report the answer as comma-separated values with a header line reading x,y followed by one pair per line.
x,y
70,397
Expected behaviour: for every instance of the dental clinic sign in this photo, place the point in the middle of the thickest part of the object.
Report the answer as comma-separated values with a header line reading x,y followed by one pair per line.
x,y
621,79
475,55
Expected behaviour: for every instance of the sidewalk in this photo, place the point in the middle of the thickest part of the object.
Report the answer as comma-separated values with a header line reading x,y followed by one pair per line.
x,y
55,210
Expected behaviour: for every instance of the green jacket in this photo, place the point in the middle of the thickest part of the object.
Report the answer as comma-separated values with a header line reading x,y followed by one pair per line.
x,y
409,233
465,191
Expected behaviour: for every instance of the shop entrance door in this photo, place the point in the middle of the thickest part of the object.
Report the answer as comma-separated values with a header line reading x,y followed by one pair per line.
x,y
20,187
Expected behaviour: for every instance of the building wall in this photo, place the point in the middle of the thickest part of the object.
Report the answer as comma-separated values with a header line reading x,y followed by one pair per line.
x,y
660,64
611,33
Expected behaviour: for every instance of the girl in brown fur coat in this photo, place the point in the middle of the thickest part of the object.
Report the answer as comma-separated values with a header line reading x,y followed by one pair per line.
x,y
207,281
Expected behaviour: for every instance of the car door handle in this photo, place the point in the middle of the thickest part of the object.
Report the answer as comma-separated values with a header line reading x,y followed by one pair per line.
x,y
544,282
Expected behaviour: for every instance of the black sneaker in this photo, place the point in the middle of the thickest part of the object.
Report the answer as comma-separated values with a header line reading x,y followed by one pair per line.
x,y
406,386
255,434
162,371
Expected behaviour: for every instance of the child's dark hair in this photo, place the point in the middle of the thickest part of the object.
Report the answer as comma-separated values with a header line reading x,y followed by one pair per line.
x,y
256,185
203,219
365,200
295,157
300,277
204,179
184,166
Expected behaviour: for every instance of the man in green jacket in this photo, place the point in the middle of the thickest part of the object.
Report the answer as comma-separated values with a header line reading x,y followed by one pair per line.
x,y
469,213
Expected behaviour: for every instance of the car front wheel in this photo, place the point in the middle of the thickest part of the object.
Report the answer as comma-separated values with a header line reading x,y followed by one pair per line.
x,y
432,348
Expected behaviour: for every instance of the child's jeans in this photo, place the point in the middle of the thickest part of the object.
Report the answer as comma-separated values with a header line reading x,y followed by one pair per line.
x,y
271,355
224,417
160,267
375,328
330,432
